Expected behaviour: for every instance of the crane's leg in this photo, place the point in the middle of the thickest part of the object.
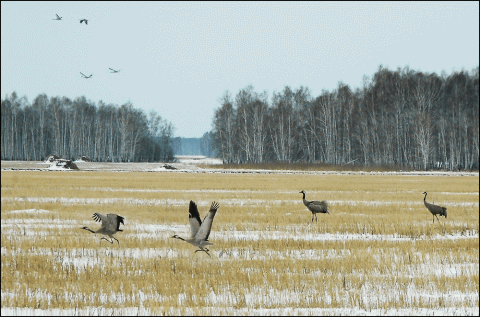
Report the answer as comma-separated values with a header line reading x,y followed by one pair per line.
x,y
106,239
437,218
203,251
312,216
433,218
115,239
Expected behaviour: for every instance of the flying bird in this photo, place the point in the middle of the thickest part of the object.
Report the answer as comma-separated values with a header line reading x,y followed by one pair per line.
x,y
113,70
58,18
434,209
315,206
200,230
110,225
86,21
85,76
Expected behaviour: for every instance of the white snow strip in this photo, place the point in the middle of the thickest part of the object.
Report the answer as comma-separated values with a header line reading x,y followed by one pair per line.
x,y
230,202
33,211
250,191
209,311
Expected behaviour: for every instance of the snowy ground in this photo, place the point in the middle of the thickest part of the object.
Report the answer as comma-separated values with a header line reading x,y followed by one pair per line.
x,y
461,303
184,163
135,311
41,223
190,163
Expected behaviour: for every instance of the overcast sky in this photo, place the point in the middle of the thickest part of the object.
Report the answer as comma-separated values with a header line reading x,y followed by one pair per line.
x,y
178,58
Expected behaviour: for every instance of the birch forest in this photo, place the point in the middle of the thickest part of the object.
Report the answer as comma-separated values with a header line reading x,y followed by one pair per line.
x,y
72,129
402,119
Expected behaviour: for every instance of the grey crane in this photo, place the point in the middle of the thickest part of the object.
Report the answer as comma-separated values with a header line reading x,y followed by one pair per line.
x,y
315,206
434,209
113,70
110,225
57,18
199,231
84,20
85,76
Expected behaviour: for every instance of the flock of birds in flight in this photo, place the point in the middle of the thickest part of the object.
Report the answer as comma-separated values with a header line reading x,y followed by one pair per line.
x,y
112,71
200,230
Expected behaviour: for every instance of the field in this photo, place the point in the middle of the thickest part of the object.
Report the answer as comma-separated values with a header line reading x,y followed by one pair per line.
x,y
376,253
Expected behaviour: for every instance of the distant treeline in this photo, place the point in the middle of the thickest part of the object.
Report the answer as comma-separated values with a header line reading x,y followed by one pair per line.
x,y
72,129
402,118
192,146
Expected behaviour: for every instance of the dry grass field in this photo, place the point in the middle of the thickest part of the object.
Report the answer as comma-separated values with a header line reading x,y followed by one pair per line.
x,y
376,253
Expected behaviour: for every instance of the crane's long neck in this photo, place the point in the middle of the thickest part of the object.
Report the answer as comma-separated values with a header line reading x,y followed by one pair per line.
x,y
305,202
425,200
89,229
177,237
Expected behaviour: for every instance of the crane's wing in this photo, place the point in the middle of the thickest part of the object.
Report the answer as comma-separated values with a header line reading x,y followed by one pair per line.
x,y
322,203
206,226
99,217
194,218
318,206
83,74
113,222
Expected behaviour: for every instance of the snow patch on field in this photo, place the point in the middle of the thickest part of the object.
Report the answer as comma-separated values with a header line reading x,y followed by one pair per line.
x,y
153,231
188,164
209,311
32,211
230,202
198,160
54,167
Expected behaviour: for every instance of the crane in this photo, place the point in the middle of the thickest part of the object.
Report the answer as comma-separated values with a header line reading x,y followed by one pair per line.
x,y
199,230
110,225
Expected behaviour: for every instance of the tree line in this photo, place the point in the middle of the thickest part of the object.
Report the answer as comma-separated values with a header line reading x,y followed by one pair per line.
x,y
402,118
71,129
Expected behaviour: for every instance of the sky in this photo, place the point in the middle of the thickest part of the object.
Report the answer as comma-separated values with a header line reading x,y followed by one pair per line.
x,y
178,58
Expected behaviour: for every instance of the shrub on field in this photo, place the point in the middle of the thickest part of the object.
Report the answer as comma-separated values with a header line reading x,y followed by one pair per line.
x,y
85,158
66,164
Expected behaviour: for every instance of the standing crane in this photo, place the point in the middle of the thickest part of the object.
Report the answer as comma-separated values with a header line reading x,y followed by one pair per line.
x,y
434,209
199,230
315,206
110,225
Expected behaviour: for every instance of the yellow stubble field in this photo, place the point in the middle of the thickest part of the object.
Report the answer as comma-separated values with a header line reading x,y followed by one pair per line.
x,y
376,252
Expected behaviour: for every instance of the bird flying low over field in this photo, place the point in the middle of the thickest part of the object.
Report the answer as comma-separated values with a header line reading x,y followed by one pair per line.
x,y
84,20
85,76
199,230
113,70
315,206
434,209
57,18
110,225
